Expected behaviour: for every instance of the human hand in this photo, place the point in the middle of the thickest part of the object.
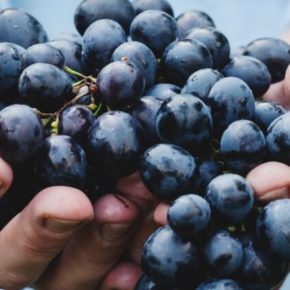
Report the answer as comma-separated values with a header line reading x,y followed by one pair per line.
x,y
60,241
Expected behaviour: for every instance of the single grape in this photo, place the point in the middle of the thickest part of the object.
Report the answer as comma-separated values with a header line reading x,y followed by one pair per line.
x,y
44,53
222,284
231,197
167,170
21,28
143,5
21,133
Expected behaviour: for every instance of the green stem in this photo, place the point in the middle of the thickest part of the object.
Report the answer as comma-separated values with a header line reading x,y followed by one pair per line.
x,y
73,72
98,110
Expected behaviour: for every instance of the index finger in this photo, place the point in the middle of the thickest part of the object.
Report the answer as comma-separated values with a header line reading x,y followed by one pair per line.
x,y
6,176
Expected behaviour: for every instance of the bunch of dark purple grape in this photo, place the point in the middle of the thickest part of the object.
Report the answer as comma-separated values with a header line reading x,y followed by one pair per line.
x,y
141,90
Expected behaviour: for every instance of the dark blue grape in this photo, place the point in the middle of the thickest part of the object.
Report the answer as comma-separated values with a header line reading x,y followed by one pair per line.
x,y
191,19
223,284
120,84
186,121
21,133
189,215
75,122
167,170
61,161
145,111
216,42
70,36
141,56
231,197
154,28
116,142
44,86
72,52
182,58
252,71
143,5
207,170
230,99
90,11
278,139
261,267
169,261
44,53
273,227
243,146
273,52
266,112
200,82
100,40
163,91
11,64
223,253
21,28
144,283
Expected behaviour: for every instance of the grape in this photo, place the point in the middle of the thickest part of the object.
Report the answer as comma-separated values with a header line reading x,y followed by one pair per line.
x,y
145,111
75,121
273,52
243,146
141,56
154,28
61,161
186,121
216,42
167,170
72,52
70,36
44,53
177,264
252,71
266,112
200,82
21,133
115,143
231,197
120,84
11,63
223,284
278,139
142,5
230,99
224,253
90,11
163,91
100,40
272,226
193,18
21,28
44,86
182,58
188,215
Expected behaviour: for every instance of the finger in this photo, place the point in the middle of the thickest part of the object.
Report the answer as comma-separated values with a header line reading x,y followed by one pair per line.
x,y
276,94
160,214
6,176
269,186
97,248
147,227
36,235
124,276
134,189
286,85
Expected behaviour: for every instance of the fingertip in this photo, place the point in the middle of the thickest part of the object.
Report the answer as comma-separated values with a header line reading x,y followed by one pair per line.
x,y
113,208
160,214
286,85
6,176
63,203
124,276
268,186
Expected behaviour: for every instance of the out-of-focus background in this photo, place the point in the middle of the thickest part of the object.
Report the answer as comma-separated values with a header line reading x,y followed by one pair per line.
x,y
241,21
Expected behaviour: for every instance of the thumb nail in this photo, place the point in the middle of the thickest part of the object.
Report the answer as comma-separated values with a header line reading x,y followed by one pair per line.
x,y
113,232
60,226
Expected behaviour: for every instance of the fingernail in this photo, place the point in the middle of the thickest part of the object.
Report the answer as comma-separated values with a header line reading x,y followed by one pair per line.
x,y
113,232
60,226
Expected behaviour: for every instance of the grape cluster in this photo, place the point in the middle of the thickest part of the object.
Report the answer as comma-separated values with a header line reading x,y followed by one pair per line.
x,y
141,89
